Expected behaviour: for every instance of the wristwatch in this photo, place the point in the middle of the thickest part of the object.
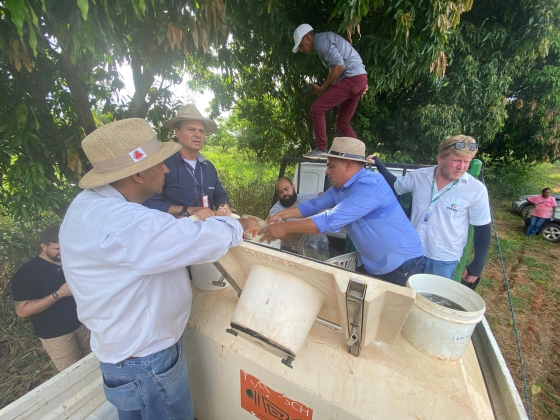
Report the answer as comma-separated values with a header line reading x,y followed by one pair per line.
x,y
184,211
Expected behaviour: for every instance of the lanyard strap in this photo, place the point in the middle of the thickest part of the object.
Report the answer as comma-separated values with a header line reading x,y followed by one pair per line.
x,y
192,172
448,188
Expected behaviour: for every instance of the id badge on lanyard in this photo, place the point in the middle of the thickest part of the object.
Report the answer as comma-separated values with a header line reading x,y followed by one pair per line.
x,y
422,229
204,198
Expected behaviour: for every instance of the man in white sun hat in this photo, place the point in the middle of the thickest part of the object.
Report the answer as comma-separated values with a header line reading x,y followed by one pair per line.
x,y
343,87
125,265
192,186
387,244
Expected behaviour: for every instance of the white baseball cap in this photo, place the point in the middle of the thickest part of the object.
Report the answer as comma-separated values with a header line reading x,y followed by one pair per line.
x,y
299,33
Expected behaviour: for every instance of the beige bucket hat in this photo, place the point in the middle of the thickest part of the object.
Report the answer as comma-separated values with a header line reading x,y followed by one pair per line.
x,y
347,148
189,112
121,149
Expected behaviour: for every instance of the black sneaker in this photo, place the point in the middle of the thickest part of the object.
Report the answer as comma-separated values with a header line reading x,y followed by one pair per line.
x,y
314,154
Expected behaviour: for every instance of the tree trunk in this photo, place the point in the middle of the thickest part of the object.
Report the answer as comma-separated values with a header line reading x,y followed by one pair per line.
x,y
78,92
143,78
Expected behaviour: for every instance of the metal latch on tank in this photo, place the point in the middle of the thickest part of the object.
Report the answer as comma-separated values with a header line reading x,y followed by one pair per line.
x,y
225,276
355,295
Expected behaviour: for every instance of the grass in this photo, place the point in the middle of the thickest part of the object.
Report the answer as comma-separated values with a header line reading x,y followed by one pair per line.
x,y
25,365
534,282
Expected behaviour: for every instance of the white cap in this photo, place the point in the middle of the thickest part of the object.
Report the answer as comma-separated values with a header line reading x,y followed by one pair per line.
x,y
299,33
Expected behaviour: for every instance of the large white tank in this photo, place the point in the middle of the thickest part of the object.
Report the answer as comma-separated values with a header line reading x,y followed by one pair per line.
x,y
237,378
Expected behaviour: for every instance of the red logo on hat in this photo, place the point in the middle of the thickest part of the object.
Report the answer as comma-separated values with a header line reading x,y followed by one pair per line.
x,y
137,154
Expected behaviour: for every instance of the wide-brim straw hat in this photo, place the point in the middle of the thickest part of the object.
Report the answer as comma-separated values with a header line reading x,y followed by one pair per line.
x,y
347,148
189,112
121,149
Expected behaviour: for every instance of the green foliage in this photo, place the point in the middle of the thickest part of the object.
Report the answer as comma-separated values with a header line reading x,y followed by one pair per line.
x,y
434,71
225,136
534,113
59,80
510,181
250,187
261,78
487,69
19,242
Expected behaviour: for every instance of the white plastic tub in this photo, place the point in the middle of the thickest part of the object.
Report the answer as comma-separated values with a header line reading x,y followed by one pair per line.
x,y
278,306
436,330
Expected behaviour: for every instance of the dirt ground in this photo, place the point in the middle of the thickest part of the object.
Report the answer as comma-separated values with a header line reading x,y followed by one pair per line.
x,y
533,273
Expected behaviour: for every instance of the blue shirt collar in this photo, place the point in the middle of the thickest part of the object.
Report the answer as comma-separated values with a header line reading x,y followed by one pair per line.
x,y
354,178
199,157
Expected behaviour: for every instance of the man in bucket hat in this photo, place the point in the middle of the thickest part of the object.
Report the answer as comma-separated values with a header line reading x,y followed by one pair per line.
x,y
125,265
192,186
445,200
343,87
387,244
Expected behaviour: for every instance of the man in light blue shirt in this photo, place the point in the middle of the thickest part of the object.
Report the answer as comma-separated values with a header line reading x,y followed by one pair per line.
x,y
388,246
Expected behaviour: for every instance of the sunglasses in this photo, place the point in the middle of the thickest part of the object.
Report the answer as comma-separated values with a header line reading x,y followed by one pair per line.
x,y
460,145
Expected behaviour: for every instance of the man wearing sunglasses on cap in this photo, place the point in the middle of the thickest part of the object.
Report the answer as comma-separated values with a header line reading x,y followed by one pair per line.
x,y
445,200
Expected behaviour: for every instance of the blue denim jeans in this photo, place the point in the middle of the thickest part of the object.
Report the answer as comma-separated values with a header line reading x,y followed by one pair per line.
x,y
151,387
439,268
535,225
400,275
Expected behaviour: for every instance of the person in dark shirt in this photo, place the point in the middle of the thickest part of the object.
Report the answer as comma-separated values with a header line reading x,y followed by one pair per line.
x,y
41,294
192,186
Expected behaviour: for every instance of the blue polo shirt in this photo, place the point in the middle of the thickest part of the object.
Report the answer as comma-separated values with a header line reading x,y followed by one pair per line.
x,y
374,220
184,186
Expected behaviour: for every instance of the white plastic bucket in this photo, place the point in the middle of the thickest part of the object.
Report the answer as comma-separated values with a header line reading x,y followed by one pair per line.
x,y
204,274
278,306
436,330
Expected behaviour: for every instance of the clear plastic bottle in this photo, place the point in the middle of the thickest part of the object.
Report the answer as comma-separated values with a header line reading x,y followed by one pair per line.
x,y
314,246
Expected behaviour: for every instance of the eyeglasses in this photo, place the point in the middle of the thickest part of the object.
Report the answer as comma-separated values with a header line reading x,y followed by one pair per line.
x,y
460,145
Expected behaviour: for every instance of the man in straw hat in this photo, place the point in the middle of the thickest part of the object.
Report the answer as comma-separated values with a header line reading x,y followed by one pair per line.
x,y
125,265
344,86
192,186
387,244
445,199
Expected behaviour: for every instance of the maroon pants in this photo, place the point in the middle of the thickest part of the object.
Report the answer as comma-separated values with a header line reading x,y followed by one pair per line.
x,y
346,93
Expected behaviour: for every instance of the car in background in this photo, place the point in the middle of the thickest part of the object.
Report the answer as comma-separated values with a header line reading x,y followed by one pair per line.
x,y
522,207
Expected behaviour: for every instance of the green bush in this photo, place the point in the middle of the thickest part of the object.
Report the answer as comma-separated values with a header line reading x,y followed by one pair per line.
x,y
515,179
250,186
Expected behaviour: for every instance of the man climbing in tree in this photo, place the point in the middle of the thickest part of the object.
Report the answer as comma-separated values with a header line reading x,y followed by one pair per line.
x,y
344,86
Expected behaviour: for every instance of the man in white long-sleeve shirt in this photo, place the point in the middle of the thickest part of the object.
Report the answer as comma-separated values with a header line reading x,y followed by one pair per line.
x,y
125,265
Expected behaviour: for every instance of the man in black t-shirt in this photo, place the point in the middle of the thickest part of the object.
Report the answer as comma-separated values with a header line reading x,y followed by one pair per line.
x,y
40,292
